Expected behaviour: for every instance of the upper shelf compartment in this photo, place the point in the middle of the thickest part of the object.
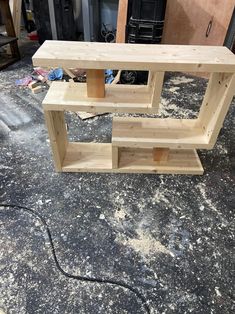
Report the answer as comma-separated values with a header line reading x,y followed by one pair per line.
x,y
86,55
118,98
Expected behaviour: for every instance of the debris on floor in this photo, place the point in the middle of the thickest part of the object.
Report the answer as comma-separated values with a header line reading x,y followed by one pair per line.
x,y
24,81
55,74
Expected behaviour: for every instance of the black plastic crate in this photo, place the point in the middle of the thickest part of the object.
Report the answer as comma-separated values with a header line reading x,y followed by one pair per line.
x,y
144,32
148,10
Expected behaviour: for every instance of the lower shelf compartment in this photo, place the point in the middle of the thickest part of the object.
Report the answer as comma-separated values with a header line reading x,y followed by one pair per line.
x,y
97,157
88,157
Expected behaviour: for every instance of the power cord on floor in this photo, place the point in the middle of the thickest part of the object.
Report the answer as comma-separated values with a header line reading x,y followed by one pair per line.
x,y
77,277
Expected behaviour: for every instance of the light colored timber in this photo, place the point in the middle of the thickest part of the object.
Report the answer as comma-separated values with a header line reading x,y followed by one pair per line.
x,y
150,78
219,94
95,83
115,157
97,157
86,157
154,132
118,98
16,15
121,21
156,88
58,136
90,55
161,154
141,145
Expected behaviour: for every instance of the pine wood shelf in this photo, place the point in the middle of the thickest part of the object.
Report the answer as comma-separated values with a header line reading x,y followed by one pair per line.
x,y
97,157
154,132
139,145
118,98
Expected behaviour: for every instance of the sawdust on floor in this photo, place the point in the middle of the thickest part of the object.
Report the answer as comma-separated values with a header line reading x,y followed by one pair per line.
x,y
146,244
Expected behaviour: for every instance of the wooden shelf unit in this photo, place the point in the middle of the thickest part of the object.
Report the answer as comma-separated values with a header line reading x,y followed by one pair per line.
x,y
139,145
11,38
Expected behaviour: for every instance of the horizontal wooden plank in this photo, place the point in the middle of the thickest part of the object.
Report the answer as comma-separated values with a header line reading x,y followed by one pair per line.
x,y
118,98
88,55
179,161
152,132
97,157
88,157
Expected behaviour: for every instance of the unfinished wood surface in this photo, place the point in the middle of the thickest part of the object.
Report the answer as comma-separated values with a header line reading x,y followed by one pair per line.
x,y
161,154
197,22
121,21
97,157
219,94
8,21
141,160
154,132
16,14
118,98
95,83
88,55
115,157
156,88
58,136
88,157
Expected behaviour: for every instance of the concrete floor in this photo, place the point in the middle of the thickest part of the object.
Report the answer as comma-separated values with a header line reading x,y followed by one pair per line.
x,y
170,237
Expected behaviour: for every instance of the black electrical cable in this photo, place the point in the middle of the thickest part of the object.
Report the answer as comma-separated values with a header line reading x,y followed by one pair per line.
x,y
77,277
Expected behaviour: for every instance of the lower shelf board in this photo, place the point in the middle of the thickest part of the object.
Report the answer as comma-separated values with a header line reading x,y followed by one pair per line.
x,y
97,157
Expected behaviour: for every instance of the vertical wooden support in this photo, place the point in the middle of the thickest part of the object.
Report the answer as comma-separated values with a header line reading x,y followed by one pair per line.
x,y
115,157
121,21
218,96
17,4
8,21
95,83
150,79
161,154
155,82
58,136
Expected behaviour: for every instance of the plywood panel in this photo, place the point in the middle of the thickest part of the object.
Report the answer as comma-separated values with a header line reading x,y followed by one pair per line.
x,y
186,22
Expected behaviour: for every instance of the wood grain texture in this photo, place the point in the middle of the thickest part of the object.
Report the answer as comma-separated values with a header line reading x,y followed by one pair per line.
x,y
161,154
156,88
58,136
115,157
121,21
218,97
97,157
17,16
186,22
88,55
154,132
95,83
118,98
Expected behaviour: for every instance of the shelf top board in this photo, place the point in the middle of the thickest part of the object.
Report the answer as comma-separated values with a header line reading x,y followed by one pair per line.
x,y
90,55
